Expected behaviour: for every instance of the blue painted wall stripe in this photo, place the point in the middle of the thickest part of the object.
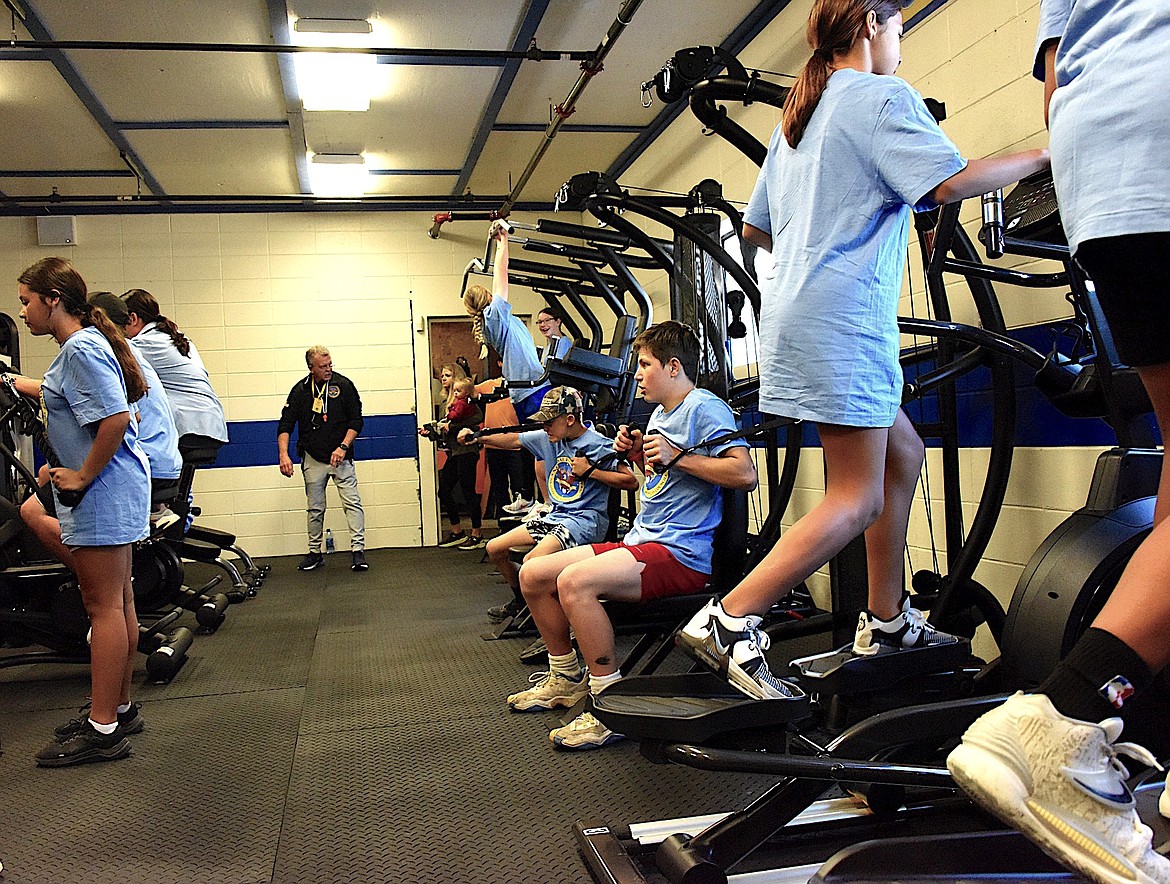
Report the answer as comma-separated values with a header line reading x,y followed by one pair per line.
x,y
384,437
1039,424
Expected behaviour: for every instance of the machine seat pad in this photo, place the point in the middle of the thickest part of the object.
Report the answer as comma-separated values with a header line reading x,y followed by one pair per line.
x,y
198,550
670,610
221,539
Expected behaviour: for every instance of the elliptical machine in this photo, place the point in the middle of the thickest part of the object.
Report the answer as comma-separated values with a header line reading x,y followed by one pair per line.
x,y
40,602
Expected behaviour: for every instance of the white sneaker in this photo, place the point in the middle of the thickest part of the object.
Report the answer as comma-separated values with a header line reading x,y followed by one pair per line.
x,y
583,732
908,630
735,654
550,690
517,506
1060,782
538,511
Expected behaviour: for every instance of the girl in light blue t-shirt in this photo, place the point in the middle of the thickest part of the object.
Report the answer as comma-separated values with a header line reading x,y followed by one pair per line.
x,y
856,153
87,394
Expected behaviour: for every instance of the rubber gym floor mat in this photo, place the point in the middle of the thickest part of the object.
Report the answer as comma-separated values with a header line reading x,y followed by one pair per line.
x,y
476,800
339,727
200,800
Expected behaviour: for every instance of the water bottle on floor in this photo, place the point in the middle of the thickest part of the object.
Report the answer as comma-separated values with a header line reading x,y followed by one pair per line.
x,y
328,541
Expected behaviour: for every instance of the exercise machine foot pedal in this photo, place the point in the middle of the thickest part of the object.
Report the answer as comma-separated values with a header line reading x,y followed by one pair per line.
x,y
843,672
688,708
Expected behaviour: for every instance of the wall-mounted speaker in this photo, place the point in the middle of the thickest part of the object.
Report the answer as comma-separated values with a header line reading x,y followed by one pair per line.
x,y
57,230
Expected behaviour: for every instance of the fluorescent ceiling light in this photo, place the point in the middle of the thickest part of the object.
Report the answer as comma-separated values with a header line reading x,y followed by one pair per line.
x,y
329,81
338,174
332,26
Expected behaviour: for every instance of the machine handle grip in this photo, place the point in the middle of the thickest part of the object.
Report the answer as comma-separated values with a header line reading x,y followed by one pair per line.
x,y
991,234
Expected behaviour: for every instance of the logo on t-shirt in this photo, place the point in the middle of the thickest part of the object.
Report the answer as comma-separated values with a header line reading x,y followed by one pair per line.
x,y
655,484
563,486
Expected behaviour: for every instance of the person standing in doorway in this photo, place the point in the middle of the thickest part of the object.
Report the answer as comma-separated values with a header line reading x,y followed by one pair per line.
x,y
328,410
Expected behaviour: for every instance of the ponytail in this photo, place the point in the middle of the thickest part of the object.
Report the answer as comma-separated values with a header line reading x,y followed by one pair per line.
x,y
135,383
804,98
833,26
143,303
58,278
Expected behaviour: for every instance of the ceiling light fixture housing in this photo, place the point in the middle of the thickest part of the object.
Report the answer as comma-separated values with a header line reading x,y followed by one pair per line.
x,y
334,81
338,175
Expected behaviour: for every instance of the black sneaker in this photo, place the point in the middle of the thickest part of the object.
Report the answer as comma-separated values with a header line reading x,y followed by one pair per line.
x,y
508,609
312,562
85,746
453,539
130,722
359,561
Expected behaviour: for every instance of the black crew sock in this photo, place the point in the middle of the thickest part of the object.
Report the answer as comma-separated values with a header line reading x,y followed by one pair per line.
x,y
1092,682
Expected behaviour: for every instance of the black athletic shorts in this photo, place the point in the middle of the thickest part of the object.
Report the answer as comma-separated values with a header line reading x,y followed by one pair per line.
x,y
1132,277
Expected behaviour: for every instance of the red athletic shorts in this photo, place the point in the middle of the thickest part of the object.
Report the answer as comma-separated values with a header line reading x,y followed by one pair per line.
x,y
663,575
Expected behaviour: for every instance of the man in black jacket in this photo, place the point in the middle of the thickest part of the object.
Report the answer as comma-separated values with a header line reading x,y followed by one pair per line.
x,y
327,408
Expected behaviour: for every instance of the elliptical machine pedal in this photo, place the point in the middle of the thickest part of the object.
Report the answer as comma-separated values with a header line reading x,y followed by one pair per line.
x,y
842,672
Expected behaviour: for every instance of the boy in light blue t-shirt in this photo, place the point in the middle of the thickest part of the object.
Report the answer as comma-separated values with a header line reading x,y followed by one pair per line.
x,y
582,467
666,552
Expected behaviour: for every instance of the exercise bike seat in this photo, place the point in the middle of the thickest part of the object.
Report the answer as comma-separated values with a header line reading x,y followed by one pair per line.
x,y
842,672
214,536
688,708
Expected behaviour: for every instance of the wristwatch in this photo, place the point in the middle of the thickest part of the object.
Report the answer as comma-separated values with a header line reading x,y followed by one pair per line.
x,y
343,447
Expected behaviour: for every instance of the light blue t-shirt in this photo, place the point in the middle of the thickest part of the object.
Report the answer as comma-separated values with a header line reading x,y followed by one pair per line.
x,y
194,405
1109,129
679,510
838,210
83,386
156,430
557,347
510,338
578,504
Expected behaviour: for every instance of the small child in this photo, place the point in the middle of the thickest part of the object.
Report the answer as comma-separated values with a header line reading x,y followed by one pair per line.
x,y
461,407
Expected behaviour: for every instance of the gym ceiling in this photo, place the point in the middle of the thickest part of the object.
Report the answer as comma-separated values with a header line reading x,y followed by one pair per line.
x,y
141,121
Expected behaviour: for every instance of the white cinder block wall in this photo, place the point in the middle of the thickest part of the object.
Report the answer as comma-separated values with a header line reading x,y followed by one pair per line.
x,y
976,56
253,292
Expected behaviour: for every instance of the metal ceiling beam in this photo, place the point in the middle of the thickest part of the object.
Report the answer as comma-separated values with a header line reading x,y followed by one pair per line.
x,y
386,54
278,22
595,128
146,125
66,173
9,207
525,34
88,99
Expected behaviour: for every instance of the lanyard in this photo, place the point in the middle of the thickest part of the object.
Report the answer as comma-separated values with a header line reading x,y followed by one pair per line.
x,y
322,398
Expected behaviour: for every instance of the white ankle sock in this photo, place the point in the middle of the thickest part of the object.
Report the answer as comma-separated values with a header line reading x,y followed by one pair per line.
x,y
598,683
104,728
564,664
123,708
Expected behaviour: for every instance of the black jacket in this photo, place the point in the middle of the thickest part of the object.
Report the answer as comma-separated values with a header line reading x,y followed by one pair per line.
x,y
319,434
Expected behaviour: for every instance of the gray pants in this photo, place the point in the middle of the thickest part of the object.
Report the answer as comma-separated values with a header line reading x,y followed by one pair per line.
x,y
317,477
